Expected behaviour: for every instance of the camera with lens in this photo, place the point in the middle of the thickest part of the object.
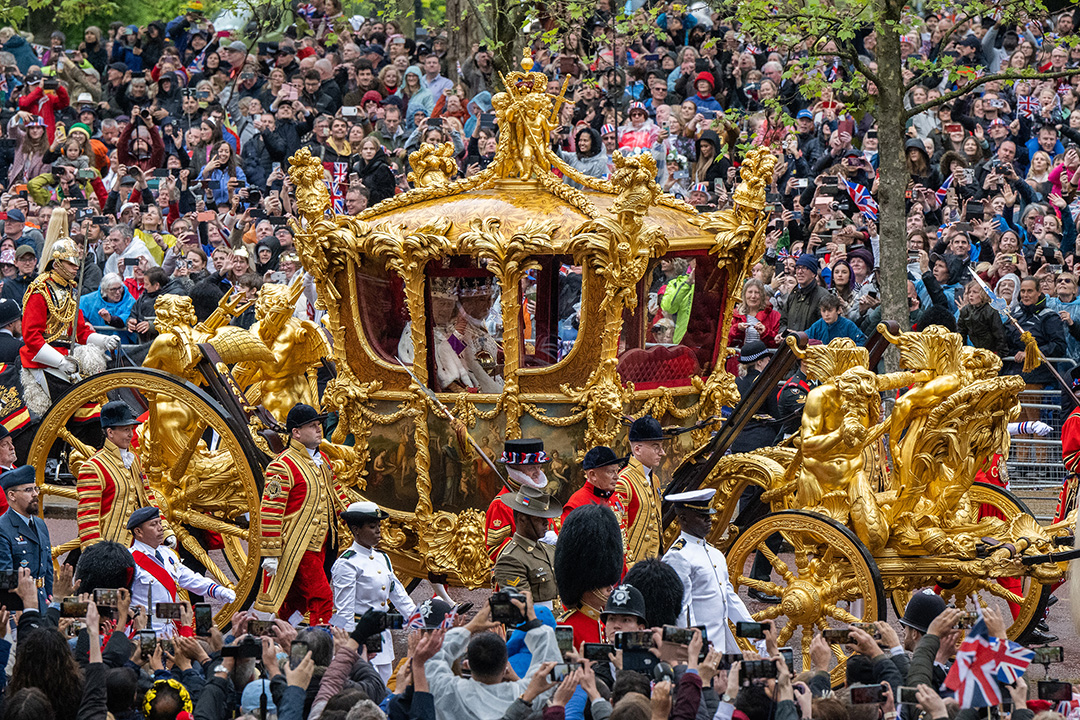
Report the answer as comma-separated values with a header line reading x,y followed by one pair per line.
x,y
503,610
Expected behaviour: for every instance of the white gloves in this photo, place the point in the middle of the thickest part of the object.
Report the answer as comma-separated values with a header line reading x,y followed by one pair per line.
x,y
69,367
169,542
1030,427
550,538
226,594
270,566
108,342
48,355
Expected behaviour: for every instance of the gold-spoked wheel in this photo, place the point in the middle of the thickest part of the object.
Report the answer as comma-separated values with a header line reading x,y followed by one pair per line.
x,y
1028,596
208,482
827,579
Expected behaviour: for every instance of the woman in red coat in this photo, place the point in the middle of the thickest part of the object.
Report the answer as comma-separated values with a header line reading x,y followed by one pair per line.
x,y
754,319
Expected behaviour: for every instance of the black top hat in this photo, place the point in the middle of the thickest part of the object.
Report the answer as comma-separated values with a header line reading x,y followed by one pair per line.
x,y
531,501
646,428
624,600
600,456
526,451
921,610
117,414
19,476
363,512
9,312
142,515
301,415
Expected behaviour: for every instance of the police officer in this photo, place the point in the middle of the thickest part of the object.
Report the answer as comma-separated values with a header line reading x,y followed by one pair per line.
x,y
761,430
708,596
363,579
525,562
159,574
791,398
24,539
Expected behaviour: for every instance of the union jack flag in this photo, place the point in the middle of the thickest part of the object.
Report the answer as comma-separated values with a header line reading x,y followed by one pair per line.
x,y
975,674
863,200
1013,659
448,620
415,621
339,173
943,190
1028,105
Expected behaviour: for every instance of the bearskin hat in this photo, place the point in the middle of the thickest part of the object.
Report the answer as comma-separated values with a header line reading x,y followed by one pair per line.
x,y
104,565
589,553
662,588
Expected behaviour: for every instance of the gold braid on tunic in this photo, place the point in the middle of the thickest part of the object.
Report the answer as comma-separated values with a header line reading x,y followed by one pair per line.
x,y
61,303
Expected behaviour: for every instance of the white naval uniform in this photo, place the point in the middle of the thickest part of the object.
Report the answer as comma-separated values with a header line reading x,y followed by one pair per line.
x,y
362,579
708,594
148,592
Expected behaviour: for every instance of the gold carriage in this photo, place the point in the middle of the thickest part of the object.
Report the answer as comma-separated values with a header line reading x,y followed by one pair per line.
x,y
569,355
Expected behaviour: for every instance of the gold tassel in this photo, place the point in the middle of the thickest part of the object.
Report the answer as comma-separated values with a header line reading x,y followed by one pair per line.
x,y
1032,356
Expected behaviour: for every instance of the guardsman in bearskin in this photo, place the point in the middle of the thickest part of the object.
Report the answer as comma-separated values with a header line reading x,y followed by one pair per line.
x,y
639,487
111,484
159,574
709,598
588,563
363,579
601,466
24,539
300,502
59,345
525,561
524,460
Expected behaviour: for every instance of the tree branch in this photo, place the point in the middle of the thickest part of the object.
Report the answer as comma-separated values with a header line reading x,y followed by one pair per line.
x,y
852,57
968,87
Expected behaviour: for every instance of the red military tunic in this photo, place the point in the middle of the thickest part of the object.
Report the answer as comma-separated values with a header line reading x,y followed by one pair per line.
x,y
590,495
50,306
1070,455
586,623
498,526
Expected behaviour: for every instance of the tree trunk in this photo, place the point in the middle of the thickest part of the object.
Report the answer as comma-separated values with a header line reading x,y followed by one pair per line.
x,y
892,172
463,33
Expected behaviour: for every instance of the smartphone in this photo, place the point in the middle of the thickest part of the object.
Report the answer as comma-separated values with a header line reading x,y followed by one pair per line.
x,y
954,128
205,94
1055,269
751,630
434,122
373,644
393,621
967,620
1048,654
906,695
561,670
678,635
297,651
487,120
975,210
275,166
168,611
9,580
85,174
789,657
638,640
564,635
598,652
757,670
204,619
869,628
147,643
349,111
206,216
72,608
829,181
846,125
834,224
243,650
836,635
866,694
106,597
260,628
79,202
802,183
1055,691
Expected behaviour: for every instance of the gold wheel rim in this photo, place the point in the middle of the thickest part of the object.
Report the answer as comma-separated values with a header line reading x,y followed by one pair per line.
x,y
148,383
821,584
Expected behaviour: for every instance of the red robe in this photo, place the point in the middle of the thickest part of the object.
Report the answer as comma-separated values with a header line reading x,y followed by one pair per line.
x,y
1070,455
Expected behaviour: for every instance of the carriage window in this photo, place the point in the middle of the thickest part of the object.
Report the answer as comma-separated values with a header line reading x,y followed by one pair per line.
x,y
383,311
465,331
551,306
672,334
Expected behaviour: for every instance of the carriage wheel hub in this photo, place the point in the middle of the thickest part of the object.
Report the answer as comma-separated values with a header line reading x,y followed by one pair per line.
x,y
801,602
